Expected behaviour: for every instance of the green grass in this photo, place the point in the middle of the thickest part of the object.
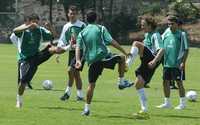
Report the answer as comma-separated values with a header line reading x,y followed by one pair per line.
x,y
110,106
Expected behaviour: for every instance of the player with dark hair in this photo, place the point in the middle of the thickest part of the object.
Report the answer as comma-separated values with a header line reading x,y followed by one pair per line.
x,y
93,40
151,46
66,42
175,56
29,38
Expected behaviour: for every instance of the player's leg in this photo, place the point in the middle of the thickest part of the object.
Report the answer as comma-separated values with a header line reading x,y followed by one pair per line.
x,y
78,82
70,81
27,70
178,74
94,71
137,48
167,76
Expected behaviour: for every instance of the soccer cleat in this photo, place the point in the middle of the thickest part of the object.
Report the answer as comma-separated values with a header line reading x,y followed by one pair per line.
x,y
64,97
124,84
141,115
19,104
78,98
85,113
164,105
180,107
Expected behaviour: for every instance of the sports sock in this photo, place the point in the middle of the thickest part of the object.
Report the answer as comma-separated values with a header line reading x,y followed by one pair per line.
x,y
143,99
80,93
68,90
134,53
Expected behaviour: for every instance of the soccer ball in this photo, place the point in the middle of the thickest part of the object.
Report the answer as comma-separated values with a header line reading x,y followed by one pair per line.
x,y
47,84
191,96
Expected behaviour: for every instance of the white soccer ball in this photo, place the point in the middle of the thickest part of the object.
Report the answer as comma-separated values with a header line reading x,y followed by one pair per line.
x,y
191,95
47,84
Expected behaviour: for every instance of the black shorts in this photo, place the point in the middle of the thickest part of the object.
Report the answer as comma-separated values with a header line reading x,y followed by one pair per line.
x,y
173,74
72,60
144,70
96,68
28,67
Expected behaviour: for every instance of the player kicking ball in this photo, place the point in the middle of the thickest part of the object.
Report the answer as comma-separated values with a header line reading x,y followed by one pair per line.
x,y
93,40
30,35
151,46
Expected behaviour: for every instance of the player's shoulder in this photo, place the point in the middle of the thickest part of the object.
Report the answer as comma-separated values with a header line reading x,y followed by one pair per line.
x,y
79,23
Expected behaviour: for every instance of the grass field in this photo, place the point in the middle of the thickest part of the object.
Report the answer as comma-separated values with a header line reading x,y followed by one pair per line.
x,y
110,106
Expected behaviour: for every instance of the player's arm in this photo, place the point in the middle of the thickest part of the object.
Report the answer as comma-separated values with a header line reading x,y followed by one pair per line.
x,y
116,45
157,58
24,27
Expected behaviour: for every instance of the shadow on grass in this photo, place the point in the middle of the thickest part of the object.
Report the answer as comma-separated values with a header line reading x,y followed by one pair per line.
x,y
61,108
118,116
47,90
179,116
105,101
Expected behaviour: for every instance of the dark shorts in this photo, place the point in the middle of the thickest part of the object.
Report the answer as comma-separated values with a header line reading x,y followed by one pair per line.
x,y
72,60
173,74
27,68
96,68
143,70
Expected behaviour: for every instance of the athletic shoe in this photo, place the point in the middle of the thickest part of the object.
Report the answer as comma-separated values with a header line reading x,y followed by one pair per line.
x,y
141,115
180,107
19,104
124,84
164,105
85,113
64,97
78,98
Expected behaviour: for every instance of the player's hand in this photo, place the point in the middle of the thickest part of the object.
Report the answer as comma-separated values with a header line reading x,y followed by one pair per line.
x,y
78,64
152,64
52,49
57,58
33,25
182,66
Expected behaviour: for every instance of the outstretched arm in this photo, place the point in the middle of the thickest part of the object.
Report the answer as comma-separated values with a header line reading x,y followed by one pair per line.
x,y
158,57
116,45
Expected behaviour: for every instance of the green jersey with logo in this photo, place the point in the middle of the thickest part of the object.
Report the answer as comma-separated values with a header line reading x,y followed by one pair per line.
x,y
93,39
70,33
174,45
153,41
29,41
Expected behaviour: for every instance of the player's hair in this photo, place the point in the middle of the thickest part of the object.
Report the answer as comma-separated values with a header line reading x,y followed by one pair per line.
x,y
72,8
150,21
91,16
26,18
173,18
33,16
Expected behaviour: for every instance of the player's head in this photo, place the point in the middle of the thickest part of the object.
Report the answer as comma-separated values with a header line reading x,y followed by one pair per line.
x,y
34,18
72,13
148,23
91,16
173,23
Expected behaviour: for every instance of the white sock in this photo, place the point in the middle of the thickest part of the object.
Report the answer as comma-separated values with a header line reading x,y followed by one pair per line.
x,y
166,101
19,98
143,99
134,53
80,93
120,79
68,90
87,107
182,100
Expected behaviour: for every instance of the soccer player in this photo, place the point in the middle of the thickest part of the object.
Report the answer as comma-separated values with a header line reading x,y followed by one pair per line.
x,y
30,36
68,41
14,39
174,61
151,46
93,40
